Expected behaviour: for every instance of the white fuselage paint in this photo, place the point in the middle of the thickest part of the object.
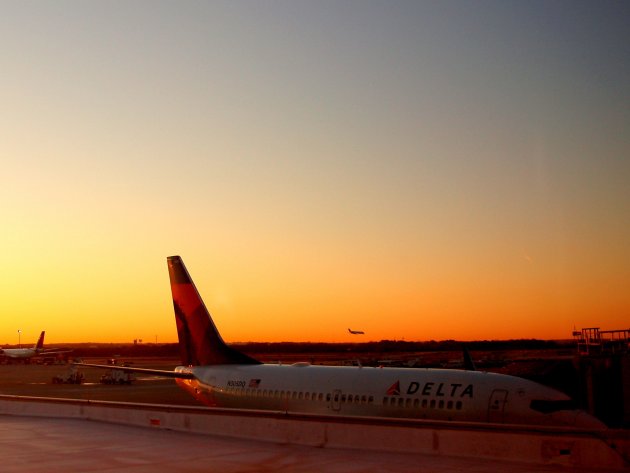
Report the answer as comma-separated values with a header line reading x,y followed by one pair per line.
x,y
18,352
456,395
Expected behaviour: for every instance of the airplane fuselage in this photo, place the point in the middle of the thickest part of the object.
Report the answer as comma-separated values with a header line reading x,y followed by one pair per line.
x,y
18,352
454,395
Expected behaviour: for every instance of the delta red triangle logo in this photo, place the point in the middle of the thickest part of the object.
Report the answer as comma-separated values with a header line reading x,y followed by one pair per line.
x,y
394,389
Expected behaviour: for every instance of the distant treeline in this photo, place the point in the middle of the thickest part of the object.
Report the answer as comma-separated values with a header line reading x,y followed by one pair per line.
x,y
387,346
384,346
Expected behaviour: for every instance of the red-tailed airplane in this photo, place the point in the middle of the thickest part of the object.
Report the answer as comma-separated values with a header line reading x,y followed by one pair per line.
x,y
26,353
218,375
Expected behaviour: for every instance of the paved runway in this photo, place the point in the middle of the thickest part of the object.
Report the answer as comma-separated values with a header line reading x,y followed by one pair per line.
x,y
32,444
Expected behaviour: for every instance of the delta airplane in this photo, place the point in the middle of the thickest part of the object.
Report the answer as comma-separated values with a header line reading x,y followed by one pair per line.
x,y
356,332
26,353
218,375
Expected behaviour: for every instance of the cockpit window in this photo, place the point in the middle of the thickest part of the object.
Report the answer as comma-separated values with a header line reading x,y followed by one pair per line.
x,y
547,407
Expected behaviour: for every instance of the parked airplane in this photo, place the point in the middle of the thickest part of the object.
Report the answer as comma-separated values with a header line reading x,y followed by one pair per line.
x,y
356,332
218,375
26,353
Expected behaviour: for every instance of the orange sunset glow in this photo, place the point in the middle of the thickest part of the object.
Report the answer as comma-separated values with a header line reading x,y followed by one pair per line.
x,y
415,171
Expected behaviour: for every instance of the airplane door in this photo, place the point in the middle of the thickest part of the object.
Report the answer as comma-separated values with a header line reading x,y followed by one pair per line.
x,y
335,400
496,406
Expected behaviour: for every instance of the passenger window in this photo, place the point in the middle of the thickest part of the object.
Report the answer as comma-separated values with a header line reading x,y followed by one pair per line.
x,y
307,396
416,403
425,403
371,399
408,402
400,401
432,404
449,405
458,405
328,397
441,406
363,399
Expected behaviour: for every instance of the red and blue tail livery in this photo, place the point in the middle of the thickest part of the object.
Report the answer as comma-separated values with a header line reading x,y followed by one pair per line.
x,y
199,340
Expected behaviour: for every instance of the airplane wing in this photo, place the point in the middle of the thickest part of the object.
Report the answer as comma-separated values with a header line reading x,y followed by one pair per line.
x,y
52,351
129,369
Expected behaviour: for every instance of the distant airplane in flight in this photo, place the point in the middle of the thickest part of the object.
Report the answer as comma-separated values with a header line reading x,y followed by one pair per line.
x,y
218,375
356,332
26,353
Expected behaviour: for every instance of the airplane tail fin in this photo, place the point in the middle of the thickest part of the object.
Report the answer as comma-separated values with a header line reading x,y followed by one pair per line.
x,y
40,341
199,340
469,364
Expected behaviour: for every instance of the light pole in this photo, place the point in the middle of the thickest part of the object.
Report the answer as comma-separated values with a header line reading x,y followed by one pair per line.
x,y
19,339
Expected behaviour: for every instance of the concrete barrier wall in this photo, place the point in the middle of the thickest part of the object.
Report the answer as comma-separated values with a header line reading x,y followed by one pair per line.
x,y
570,447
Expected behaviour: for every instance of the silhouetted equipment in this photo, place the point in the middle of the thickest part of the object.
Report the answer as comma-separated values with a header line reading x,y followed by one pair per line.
x,y
593,341
115,376
71,376
603,363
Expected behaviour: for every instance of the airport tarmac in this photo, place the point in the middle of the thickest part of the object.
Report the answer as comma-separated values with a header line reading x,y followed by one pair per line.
x,y
35,444
36,380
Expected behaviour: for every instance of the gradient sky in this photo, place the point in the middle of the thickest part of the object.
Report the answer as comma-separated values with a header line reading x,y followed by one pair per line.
x,y
417,170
